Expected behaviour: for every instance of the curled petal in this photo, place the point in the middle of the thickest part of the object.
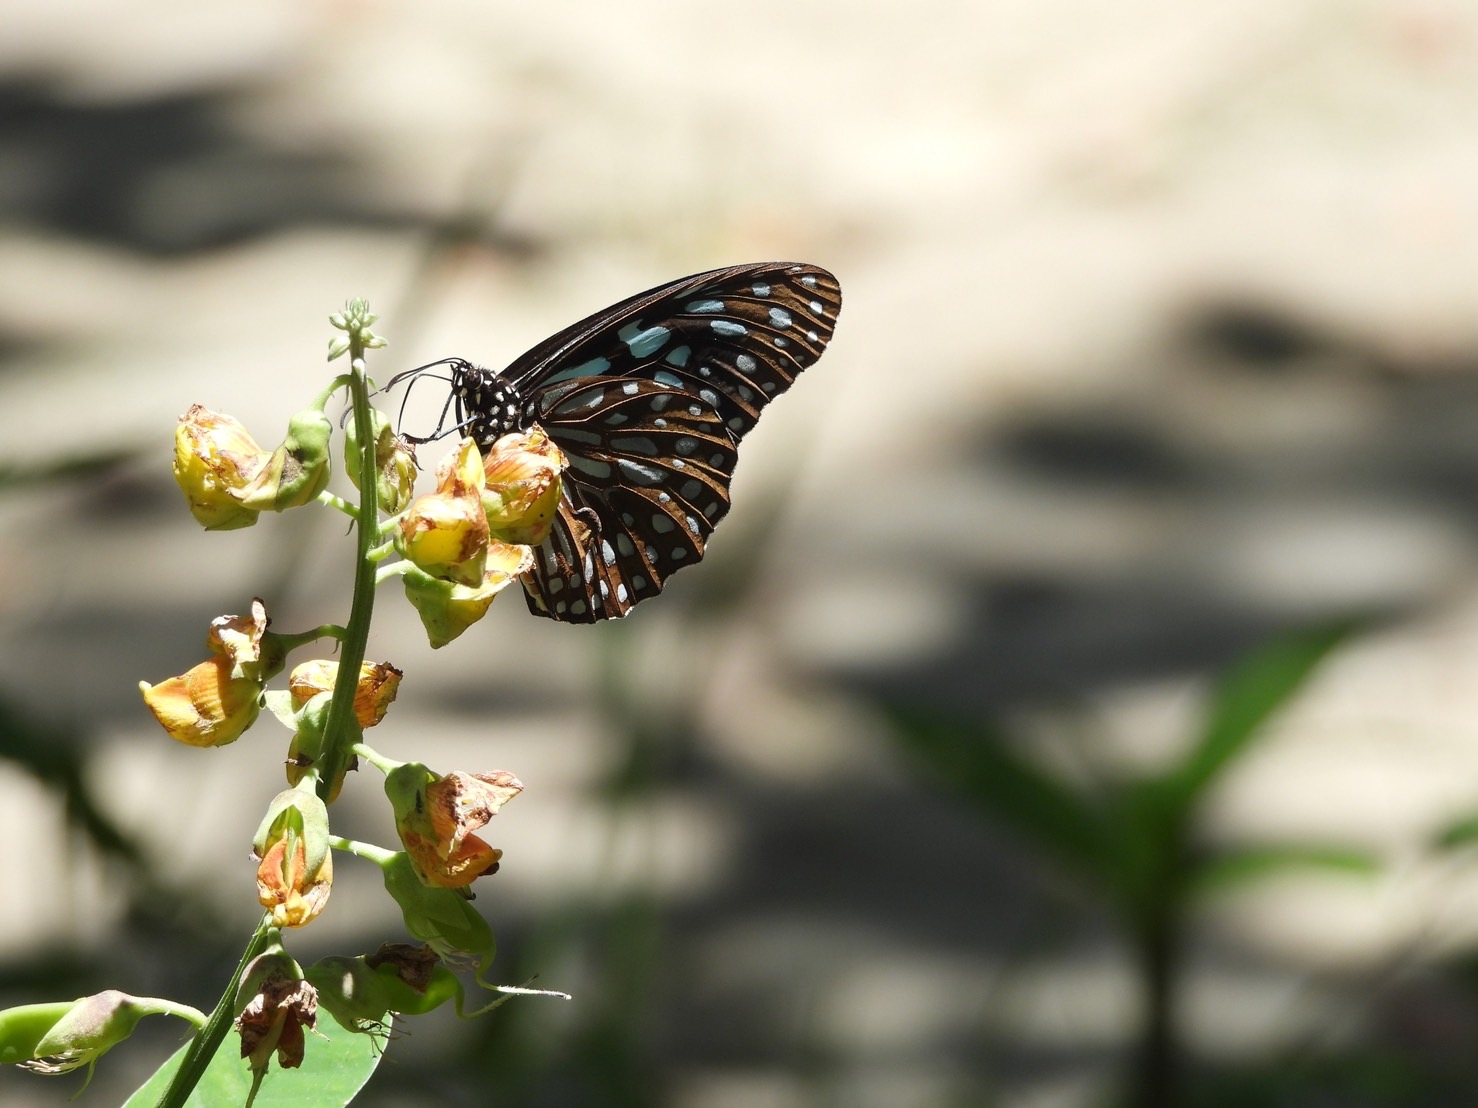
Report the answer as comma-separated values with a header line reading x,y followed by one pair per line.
x,y
239,638
456,870
461,802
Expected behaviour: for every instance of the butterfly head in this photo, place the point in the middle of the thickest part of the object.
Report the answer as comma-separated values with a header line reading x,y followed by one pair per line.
x,y
489,405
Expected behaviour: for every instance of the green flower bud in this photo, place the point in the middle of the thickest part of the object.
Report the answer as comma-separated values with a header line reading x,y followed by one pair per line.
x,y
63,1036
361,993
395,463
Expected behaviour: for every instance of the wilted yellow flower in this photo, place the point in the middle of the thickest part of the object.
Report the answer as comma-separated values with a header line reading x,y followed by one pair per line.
x,y
214,458
521,486
206,706
446,532
448,609
216,701
373,695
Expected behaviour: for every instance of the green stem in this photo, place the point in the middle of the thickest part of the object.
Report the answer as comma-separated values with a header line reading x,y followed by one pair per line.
x,y
340,730
338,502
204,1046
368,851
394,569
375,758
303,638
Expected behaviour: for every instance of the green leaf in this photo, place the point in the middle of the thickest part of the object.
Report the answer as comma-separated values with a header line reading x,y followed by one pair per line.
x,y
975,760
1245,698
336,1065
1253,863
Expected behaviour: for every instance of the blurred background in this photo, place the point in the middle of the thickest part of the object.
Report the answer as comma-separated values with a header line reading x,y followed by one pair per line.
x,y
947,779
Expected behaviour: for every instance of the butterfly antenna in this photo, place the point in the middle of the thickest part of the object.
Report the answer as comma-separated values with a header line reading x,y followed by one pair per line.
x,y
416,372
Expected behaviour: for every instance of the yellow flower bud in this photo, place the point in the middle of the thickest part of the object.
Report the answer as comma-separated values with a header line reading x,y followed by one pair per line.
x,y
214,458
446,533
521,487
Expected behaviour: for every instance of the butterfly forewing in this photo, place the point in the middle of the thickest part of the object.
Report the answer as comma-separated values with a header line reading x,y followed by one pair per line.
x,y
649,400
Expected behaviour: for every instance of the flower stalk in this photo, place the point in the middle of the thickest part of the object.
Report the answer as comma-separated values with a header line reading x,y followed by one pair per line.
x,y
341,727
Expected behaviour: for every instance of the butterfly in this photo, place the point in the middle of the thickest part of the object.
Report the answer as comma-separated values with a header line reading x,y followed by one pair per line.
x,y
649,400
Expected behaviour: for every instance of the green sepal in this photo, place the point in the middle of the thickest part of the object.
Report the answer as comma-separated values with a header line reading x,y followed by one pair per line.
x,y
441,918
296,813
298,470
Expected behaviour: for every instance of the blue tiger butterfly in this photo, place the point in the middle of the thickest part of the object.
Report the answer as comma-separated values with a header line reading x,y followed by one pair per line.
x,y
648,400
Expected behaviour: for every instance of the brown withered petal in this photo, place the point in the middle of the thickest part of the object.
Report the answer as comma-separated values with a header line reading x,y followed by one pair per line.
x,y
460,803
274,1019
413,964
239,637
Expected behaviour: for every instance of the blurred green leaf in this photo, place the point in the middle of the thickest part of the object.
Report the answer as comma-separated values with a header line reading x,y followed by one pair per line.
x,y
974,759
336,1065
20,475
1245,698
1253,863
1458,834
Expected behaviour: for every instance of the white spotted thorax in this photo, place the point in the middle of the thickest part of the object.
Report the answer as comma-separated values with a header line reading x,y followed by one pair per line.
x,y
649,400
